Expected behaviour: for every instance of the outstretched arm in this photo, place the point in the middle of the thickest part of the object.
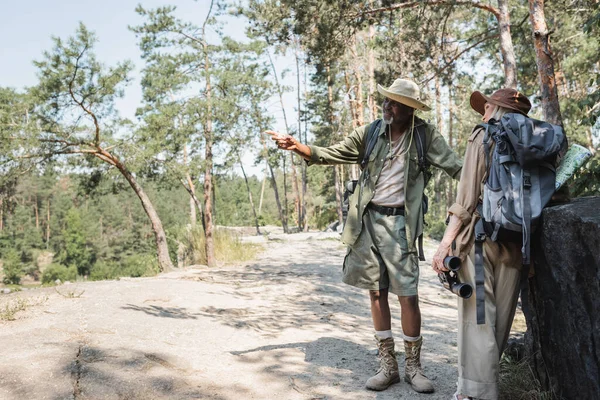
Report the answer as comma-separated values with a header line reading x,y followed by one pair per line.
x,y
287,142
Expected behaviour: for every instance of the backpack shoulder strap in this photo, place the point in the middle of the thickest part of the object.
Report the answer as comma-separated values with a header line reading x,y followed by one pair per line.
x,y
370,142
420,138
480,236
487,137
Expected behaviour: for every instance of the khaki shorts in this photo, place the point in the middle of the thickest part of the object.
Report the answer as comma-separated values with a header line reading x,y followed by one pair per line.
x,y
380,259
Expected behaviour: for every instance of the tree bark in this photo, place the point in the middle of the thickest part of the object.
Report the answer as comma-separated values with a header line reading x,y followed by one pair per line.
x,y
279,208
249,195
301,197
304,166
438,102
262,191
506,45
208,161
545,64
48,225
274,186
296,192
164,261
371,72
336,175
190,182
196,201
450,199
338,192
37,216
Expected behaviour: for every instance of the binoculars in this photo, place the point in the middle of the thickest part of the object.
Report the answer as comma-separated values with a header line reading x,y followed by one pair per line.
x,y
450,279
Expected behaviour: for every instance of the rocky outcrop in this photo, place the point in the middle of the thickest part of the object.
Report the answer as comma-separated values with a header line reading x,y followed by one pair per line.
x,y
563,319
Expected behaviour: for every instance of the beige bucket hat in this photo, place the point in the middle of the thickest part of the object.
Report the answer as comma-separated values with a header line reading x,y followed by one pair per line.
x,y
406,92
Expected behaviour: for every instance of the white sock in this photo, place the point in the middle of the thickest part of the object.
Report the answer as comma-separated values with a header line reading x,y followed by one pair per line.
x,y
410,338
384,334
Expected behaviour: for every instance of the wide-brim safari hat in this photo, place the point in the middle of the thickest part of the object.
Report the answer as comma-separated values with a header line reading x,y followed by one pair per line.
x,y
506,98
406,92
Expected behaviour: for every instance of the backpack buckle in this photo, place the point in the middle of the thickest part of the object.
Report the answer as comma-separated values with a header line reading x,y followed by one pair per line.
x,y
526,180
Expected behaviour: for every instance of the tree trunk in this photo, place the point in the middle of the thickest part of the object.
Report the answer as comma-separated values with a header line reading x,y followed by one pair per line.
x,y
249,195
196,201
1,214
338,192
262,191
285,193
356,117
279,208
371,71
296,192
302,225
190,182
336,176
37,215
208,162
304,166
164,261
506,45
450,199
48,225
438,101
544,62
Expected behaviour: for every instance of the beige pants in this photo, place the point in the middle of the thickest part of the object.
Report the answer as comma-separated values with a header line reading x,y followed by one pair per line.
x,y
480,346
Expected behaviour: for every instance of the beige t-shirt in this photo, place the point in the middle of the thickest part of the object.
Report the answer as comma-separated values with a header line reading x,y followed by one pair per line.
x,y
389,189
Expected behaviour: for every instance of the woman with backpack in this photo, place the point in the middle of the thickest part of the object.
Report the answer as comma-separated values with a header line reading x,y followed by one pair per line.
x,y
480,346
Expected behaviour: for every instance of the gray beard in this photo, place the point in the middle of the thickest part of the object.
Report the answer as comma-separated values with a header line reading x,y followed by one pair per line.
x,y
387,121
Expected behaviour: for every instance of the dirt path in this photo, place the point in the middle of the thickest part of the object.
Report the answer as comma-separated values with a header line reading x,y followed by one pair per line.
x,y
277,328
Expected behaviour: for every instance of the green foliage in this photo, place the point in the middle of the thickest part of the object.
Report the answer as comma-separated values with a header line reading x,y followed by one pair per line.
x,y
11,266
56,271
132,266
587,181
77,249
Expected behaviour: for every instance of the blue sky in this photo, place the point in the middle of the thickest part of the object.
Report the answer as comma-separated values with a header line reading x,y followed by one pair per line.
x,y
28,26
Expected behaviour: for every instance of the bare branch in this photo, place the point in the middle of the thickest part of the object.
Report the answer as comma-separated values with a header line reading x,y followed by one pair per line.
x,y
413,4
80,103
457,56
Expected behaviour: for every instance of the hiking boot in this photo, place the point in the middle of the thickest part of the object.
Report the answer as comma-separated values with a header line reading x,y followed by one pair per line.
x,y
413,373
388,366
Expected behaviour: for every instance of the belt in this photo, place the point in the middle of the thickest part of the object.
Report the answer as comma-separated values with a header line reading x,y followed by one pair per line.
x,y
386,210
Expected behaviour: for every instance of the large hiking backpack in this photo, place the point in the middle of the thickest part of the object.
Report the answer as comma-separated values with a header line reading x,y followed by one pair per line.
x,y
372,136
520,182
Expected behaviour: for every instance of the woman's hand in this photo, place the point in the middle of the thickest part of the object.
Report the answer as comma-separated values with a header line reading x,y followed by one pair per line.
x,y
284,142
438,259
445,249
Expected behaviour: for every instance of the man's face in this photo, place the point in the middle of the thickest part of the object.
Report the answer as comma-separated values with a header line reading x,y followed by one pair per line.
x,y
395,112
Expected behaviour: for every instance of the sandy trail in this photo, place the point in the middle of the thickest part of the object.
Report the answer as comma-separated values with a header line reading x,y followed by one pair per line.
x,y
276,328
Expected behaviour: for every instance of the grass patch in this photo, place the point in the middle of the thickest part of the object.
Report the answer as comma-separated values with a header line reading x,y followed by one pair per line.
x,y
12,307
228,246
517,382
70,294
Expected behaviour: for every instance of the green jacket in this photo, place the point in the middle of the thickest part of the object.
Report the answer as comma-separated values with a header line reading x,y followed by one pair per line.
x,y
351,151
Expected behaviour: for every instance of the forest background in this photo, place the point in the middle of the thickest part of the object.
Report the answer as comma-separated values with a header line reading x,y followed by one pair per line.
x,y
88,192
